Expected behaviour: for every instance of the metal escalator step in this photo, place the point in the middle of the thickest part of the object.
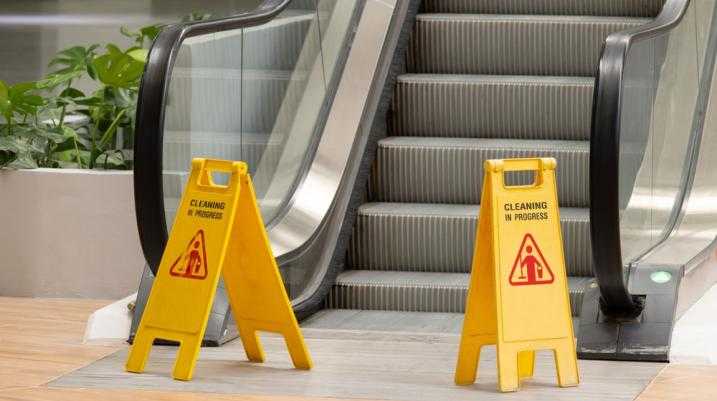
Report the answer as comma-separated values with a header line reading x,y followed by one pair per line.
x,y
387,321
511,44
491,106
450,170
627,8
415,292
440,238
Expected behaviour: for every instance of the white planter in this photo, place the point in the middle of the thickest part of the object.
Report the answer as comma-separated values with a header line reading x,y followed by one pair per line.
x,y
68,233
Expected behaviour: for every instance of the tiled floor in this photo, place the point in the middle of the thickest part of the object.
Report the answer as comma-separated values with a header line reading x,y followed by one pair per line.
x,y
40,340
693,340
350,364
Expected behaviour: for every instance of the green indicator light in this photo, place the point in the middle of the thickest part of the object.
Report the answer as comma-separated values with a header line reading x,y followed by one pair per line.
x,y
661,277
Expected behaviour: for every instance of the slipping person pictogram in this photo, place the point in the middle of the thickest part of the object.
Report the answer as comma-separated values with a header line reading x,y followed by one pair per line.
x,y
529,269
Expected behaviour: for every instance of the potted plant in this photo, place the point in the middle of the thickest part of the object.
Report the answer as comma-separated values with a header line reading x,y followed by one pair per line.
x,y
66,196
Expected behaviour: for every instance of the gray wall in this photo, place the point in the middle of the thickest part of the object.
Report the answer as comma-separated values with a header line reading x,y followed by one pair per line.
x,y
32,31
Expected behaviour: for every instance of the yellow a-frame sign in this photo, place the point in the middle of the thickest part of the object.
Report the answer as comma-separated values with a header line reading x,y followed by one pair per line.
x,y
218,230
518,297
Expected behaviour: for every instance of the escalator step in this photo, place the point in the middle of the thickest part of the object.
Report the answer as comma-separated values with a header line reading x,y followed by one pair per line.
x,y
374,320
510,44
416,292
490,106
627,8
450,170
440,238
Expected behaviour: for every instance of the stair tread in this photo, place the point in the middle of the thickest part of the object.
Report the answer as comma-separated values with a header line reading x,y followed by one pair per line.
x,y
643,8
493,106
424,279
485,143
450,170
418,292
503,44
591,19
402,279
563,19
395,321
439,237
449,210
497,79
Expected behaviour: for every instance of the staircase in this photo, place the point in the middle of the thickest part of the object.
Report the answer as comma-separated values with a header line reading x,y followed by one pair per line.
x,y
485,79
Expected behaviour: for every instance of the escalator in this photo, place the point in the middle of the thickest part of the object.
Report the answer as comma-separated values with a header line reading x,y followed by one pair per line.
x,y
366,124
483,81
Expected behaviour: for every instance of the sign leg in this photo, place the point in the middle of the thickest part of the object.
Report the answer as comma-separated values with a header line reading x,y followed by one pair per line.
x,y
297,349
139,352
566,364
508,379
187,357
468,358
250,340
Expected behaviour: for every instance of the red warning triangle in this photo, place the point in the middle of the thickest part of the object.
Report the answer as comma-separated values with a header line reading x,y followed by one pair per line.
x,y
193,262
530,267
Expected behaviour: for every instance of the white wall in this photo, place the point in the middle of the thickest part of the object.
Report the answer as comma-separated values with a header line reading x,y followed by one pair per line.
x,y
68,233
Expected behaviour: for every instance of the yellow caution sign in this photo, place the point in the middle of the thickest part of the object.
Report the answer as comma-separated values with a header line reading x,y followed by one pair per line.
x,y
518,297
218,230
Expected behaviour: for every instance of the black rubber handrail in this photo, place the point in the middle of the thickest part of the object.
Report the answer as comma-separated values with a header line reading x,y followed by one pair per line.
x,y
616,300
148,188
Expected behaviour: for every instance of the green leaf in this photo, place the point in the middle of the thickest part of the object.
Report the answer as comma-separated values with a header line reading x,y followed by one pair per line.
x,y
22,161
58,134
64,164
72,93
68,132
118,69
10,144
53,80
146,33
151,31
139,54
84,142
111,159
5,105
23,87
74,59
21,100
16,153
89,101
68,97
126,32
6,157
32,132
70,156
36,147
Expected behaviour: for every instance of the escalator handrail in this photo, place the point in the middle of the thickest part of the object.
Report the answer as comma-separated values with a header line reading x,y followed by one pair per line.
x,y
616,299
148,187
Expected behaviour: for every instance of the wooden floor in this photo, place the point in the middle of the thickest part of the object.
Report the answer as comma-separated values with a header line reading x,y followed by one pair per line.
x,y
41,340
